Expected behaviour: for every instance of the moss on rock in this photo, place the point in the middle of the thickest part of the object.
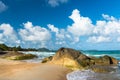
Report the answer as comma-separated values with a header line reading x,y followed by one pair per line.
x,y
74,60
14,55
47,59
22,57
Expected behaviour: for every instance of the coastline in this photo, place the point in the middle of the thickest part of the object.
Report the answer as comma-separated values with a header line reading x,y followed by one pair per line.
x,y
26,70
17,70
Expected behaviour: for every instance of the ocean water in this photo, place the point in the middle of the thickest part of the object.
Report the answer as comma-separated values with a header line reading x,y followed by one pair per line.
x,y
42,55
115,54
85,74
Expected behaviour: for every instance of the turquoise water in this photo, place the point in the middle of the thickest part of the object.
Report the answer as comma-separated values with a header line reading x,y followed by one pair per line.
x,y
42,55
115,54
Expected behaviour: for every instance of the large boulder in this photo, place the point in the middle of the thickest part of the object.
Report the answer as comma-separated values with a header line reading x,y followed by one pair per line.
x,y
70,58
76,60
69,53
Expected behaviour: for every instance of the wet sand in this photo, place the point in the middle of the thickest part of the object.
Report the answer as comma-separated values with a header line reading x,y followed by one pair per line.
x,y
16,70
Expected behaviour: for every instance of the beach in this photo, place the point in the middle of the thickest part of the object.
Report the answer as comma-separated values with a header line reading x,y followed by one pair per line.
x,y
56,68
16,70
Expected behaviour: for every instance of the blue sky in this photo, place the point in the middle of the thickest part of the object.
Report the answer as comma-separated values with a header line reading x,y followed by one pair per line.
x,y
79,24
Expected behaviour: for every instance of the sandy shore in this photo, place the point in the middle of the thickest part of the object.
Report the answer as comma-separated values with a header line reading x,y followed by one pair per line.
x,y
16,70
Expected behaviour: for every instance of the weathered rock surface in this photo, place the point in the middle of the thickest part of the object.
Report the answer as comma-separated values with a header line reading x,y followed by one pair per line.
x,y
47,59
76,60
14,55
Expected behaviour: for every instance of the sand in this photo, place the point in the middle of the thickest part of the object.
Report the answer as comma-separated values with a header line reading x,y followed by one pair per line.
x,y
16,70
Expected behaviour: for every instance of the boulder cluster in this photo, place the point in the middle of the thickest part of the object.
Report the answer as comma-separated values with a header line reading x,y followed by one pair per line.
x,y
74,59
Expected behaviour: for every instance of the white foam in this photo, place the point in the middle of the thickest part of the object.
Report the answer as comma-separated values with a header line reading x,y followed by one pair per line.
x,y
41,55
81,75
90,75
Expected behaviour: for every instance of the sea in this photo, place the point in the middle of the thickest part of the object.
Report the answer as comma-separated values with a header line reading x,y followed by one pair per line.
x,y
86,74
42,55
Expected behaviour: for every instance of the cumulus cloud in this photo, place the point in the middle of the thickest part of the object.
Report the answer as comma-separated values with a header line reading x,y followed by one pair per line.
x,y
103,31
55,3
62,37
107,17
81,30
98,39
3,7
106,30
34,34
59,33
7,34
81,26
53,28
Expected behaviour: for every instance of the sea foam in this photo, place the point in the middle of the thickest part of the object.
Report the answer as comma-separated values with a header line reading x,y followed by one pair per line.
x,y
90,75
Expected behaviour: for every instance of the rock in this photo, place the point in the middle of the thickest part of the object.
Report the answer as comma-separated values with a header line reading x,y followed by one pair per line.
x,y
74,59
102,69
22,57
105,60
69,53
47,59
14,55
70,58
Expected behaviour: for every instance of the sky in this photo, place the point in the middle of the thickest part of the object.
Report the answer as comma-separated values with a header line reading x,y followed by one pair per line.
x,y
78,24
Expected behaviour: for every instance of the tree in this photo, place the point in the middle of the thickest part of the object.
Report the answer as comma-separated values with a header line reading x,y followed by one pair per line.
x,y
4,47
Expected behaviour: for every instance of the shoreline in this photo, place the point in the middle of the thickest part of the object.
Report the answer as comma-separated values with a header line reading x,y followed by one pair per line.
x,y
16,70
23,70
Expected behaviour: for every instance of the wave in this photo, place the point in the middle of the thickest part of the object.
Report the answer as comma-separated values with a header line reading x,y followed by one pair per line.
x,y
90,75
115,54
42,55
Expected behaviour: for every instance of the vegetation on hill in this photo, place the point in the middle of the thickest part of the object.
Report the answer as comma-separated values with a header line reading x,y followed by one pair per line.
x,y
4,47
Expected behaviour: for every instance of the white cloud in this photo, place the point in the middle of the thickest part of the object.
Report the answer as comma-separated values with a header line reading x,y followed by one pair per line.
x,y
3,7
104,31
98,39
118,39
34,34
53,28
81,30
107,17
82,25
55,3
60,33
60,42
62,37
7,34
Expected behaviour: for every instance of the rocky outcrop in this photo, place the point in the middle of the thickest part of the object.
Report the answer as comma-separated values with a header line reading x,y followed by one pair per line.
x,y
105,60
102,68
14,55
47,59
76,60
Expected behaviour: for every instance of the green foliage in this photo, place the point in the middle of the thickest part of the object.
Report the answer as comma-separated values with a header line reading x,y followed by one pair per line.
x,y
17,48
3,47
43,49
